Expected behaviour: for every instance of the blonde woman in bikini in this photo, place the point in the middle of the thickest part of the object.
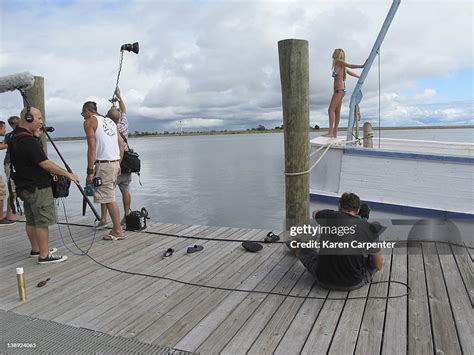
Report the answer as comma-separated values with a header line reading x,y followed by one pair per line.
x,y
339,70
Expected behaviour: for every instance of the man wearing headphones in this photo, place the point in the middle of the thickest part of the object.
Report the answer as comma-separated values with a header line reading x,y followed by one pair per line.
x,y
32,175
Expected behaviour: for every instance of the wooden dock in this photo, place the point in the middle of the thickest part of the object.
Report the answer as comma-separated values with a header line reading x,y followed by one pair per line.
x,y
437,316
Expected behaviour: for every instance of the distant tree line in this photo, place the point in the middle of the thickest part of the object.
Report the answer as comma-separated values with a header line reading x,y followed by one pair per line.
x,y
259,128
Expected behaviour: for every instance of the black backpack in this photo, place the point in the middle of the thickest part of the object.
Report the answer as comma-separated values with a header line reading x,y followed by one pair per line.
x,y
130,162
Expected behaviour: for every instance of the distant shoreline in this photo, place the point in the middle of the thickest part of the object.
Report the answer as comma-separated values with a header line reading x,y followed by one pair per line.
x,y
255,131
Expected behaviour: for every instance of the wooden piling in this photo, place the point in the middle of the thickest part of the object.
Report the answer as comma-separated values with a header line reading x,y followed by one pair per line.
x,y
35,96
368,135
294,76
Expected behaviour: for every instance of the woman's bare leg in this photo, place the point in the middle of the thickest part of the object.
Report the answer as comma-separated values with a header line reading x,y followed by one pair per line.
x,y
337,117
336,101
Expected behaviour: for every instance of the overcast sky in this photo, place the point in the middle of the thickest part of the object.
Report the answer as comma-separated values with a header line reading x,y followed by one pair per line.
x,y
214,64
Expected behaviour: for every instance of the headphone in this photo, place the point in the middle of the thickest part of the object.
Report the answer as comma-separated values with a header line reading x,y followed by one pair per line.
x,y
28,115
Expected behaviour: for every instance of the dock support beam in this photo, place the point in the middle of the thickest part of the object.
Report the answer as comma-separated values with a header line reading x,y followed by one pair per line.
x,y
294,76
368,135
35,96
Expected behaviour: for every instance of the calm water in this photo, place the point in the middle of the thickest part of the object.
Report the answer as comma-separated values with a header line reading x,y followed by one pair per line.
x,y
229,180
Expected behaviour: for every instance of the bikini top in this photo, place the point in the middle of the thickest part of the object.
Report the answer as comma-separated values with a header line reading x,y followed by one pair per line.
x,y
334,73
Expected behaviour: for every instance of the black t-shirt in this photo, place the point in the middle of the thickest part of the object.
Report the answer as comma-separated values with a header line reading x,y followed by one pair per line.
x,y
344,266
26,153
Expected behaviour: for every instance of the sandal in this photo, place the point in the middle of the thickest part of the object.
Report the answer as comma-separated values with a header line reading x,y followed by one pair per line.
x,y
271,238
168,253
113,237
194,249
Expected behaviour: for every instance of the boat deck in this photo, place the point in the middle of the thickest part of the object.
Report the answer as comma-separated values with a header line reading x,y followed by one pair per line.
x,y
436,316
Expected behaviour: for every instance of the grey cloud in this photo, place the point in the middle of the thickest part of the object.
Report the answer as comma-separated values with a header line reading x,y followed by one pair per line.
x,y
219,60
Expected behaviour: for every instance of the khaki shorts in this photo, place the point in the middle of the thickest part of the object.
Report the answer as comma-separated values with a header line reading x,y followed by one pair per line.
x,y
105,193
9,181
3,193
39,207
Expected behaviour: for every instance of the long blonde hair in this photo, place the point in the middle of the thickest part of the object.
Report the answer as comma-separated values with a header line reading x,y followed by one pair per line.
x,y
338,54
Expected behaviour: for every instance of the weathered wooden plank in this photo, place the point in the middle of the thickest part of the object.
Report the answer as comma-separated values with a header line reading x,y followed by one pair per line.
x,y
294,339
130,286
395,330
470,250
141,313
269,338
100,299
213,321
445,337
167,300
371,329
323,329
466,269
116,309
35,273
243,339
77,282
237,318
198,311
420,340
145,304
345,336
214,318
460,302
17,252
185,301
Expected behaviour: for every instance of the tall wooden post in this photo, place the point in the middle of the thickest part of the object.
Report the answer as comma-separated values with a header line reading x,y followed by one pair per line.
x,y
368,135
294,76
35,96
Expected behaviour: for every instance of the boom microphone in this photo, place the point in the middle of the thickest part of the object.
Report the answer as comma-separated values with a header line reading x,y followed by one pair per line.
x,y
20,81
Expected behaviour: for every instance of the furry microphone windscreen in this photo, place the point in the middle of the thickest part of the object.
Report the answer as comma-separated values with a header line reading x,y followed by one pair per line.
x,y
20,81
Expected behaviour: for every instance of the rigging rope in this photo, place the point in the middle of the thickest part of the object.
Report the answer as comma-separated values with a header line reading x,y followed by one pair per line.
x,y
378,55
327,146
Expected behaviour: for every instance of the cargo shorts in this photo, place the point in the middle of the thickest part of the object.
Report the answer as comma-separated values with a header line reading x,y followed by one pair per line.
x,y
39,207
108,172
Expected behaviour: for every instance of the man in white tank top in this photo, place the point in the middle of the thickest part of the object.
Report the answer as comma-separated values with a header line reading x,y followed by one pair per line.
x,y
104,152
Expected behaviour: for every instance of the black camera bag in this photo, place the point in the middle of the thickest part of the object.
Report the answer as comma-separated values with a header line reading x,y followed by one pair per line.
x,y
60,186
136,220
130,162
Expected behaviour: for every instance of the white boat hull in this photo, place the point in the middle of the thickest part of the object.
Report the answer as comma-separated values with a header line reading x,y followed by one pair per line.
x,y
411,176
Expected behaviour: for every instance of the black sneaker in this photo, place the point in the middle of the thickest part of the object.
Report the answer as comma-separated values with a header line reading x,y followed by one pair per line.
x,y
34,254
51,258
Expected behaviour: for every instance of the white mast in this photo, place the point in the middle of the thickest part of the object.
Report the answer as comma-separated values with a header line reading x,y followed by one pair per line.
x,y
356,97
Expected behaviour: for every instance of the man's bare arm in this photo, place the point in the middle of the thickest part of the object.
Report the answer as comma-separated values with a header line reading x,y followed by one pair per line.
x,y
90,126
122,106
